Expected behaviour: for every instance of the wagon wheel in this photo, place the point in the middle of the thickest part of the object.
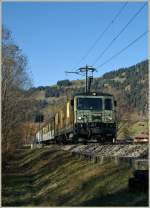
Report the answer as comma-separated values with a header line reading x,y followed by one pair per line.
x,y
75,140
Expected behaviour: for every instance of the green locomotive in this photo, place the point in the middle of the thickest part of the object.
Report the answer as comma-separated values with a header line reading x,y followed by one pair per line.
x,y
85,117
95,116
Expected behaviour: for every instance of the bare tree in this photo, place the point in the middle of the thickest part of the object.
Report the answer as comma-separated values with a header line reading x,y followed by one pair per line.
x,y
16,102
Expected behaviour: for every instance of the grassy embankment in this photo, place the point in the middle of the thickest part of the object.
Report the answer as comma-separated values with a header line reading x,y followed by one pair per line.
x,y
136,127
48,177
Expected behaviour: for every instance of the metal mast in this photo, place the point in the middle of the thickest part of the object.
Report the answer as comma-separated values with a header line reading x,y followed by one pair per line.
x,y
85,71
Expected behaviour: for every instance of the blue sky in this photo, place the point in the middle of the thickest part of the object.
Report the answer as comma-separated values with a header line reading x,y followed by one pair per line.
x,y
55,36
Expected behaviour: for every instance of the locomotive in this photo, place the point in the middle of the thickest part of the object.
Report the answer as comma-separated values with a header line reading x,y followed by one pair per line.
x,y
86,116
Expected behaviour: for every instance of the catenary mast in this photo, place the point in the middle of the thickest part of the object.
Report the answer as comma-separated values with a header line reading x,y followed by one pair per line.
x,y
88,72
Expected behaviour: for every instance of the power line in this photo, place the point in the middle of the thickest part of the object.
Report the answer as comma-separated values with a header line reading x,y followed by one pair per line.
x,y
117,36
122,50
102,34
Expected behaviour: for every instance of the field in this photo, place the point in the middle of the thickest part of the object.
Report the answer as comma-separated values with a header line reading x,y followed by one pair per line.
x,y
51,177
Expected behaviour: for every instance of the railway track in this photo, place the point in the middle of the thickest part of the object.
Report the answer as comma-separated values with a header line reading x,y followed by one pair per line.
x,y
110,150
120,153
127,154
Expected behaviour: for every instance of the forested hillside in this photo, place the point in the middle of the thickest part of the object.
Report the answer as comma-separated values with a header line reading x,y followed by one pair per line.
x,y
129,86
132,82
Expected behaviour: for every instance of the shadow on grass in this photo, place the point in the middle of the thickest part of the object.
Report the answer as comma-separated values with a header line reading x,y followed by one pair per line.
x,y
16,190
56,178
120,198
84,187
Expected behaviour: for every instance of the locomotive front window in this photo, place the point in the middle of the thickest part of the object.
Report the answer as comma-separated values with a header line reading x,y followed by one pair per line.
x,y
89,104
108,104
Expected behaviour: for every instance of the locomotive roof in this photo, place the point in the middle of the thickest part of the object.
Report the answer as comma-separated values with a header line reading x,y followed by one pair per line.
x,y
96,94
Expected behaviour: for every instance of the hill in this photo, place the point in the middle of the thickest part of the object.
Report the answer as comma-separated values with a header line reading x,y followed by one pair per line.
x,y
52,177
131,83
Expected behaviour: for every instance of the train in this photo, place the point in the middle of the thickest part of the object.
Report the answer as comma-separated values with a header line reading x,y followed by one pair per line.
x,y
85,117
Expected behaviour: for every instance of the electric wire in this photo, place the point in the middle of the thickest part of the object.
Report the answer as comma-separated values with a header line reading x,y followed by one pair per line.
x,y
122,50
102,34
117,36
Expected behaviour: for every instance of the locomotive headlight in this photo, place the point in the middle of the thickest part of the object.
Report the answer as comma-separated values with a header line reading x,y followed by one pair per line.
x,y
79,117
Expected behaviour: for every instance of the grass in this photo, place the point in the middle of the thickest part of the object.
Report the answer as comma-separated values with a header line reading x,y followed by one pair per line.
x,y
134,129
48,177
139,127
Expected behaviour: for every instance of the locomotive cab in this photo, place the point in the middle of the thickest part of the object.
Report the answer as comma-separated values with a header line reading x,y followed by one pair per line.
x,y
94,116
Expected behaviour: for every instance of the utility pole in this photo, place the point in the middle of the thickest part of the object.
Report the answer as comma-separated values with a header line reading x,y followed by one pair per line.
x,y
85,70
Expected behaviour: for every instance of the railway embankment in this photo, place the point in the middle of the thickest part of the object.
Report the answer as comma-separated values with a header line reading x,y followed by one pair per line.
x,y
125,153
53,177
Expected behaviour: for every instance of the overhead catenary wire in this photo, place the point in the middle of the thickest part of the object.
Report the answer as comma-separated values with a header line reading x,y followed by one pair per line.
x,y
102,34
122,50
118,35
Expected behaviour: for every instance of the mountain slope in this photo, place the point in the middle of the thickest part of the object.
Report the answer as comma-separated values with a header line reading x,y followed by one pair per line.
x,y
131,83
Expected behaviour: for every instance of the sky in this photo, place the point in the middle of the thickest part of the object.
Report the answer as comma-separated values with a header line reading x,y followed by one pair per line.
x,y
55,36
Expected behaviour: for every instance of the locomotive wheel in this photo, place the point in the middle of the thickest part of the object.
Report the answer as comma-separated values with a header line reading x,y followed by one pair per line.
x,y
85,142
101,140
